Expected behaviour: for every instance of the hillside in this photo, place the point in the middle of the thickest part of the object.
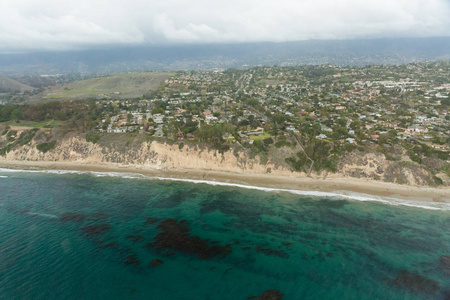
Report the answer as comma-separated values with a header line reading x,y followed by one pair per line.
x,y
8,85
129,85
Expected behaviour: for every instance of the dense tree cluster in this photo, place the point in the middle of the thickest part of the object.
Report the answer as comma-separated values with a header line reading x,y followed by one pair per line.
x,y
81,115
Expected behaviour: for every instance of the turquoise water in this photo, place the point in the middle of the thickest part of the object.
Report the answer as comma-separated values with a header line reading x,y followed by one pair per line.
x,y
85,236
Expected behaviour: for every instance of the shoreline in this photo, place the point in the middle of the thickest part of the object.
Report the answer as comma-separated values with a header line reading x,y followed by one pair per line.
x,y
334,185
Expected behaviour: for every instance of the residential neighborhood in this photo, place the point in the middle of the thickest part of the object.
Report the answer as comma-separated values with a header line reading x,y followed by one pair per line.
x,y
354,105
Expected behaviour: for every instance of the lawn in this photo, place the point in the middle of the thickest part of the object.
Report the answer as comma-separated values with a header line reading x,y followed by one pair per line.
x,y
128,85
71,93
260,137
33,124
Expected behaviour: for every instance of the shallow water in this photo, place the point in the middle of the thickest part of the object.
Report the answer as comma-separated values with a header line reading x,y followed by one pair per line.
x,y
93,236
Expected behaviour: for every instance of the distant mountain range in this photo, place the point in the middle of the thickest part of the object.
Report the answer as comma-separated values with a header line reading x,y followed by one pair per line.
x,y
223,56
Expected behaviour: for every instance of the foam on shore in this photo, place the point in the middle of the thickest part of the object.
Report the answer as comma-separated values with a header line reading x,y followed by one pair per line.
x,y
346,195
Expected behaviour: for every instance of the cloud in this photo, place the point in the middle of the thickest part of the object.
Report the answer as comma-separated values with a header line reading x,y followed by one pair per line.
x,y
190,33
70,24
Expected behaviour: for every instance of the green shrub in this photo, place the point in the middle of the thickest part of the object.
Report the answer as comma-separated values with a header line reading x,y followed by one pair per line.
x,y
350,147
92,137
26,136
6,149
438,180
320,153
442,155
268,141
284,143
415,157
11,135
6,130
381,149
389,157
44,147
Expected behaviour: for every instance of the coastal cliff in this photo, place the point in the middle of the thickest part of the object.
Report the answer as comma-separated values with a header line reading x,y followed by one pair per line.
x,y
141,152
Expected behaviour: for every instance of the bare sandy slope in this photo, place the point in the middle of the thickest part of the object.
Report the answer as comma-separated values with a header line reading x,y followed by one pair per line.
x,y
301,183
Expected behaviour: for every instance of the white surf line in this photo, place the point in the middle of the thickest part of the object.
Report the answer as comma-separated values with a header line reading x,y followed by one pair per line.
x,y
337,194
344,195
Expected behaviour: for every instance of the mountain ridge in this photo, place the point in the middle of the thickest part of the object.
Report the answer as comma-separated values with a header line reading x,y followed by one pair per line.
x,y
210,56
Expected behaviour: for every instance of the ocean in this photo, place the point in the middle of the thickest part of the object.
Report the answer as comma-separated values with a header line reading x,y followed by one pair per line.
x,y
86,235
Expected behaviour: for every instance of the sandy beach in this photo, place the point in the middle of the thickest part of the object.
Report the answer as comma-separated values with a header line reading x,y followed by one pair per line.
x,y
300,183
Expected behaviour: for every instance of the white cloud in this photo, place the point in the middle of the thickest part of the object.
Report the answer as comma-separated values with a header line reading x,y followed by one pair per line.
x,y
190,33
55,24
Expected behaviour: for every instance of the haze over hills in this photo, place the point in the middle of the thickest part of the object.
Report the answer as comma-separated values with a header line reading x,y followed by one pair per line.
x,y
211,56
8,85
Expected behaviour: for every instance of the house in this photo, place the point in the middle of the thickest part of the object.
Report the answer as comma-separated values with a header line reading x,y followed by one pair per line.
x,y
159,131
440,147
350,140
291,128
256,132
158,118
242,135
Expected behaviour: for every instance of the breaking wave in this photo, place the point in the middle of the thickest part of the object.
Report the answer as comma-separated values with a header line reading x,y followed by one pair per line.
x,y
346,195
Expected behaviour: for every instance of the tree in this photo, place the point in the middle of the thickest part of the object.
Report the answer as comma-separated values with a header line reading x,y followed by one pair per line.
x,y
392,133
16,114
157,110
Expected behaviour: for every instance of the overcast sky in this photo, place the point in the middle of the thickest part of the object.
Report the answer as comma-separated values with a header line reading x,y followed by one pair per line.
x,y
77,24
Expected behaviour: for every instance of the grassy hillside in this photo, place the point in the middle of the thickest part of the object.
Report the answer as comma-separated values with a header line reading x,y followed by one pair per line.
x,y
8,85
129,85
